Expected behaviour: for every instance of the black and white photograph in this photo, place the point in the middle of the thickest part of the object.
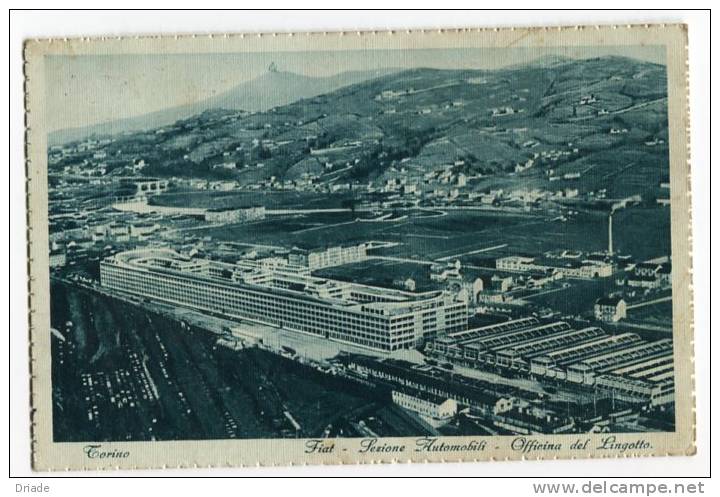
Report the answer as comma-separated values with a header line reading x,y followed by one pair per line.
x,y
416,250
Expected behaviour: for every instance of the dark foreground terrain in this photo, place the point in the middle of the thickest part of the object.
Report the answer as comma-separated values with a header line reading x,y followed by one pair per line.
x,y
126,373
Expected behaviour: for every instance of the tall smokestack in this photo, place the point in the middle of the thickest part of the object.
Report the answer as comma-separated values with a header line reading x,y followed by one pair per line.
x,y
610,238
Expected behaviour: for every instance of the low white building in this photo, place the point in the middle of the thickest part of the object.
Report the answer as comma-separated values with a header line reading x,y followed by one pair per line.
x,y
435,410
610,309
57,258
143,229
650,275
328,257
566,267
235,215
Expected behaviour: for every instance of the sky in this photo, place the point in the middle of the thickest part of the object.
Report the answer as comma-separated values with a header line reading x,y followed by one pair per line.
x,y
83,90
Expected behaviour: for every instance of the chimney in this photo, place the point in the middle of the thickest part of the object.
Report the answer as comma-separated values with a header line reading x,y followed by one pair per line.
x,y
610,235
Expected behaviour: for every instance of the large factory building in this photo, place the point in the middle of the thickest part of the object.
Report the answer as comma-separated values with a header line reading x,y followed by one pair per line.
x,y
378,318
624,365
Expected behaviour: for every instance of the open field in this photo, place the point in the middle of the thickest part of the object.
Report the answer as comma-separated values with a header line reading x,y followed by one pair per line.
x,y
642,232
471,236
420,236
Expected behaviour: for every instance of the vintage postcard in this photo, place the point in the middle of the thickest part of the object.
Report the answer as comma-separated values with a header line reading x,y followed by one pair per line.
x,y
340,248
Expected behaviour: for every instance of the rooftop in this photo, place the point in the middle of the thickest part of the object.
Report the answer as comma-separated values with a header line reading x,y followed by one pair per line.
x,y
337,293
613,301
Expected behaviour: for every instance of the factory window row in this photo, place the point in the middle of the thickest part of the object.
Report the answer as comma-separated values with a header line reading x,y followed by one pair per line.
x,y
365,330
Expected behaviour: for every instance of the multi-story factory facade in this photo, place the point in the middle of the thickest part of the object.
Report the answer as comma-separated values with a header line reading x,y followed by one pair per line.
x,y
378,318
327,257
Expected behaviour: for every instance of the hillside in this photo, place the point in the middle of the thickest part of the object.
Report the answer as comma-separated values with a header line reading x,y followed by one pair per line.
x,y
601,122
272,89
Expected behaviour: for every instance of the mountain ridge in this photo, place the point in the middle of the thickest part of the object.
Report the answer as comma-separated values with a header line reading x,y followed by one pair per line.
x,y
602,119
271,89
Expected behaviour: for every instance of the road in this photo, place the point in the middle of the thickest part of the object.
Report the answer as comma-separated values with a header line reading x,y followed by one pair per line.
x,y
145,208
324,226
565,286
639,106
620,111
401,259
650,302
172,231
472,252
641,327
